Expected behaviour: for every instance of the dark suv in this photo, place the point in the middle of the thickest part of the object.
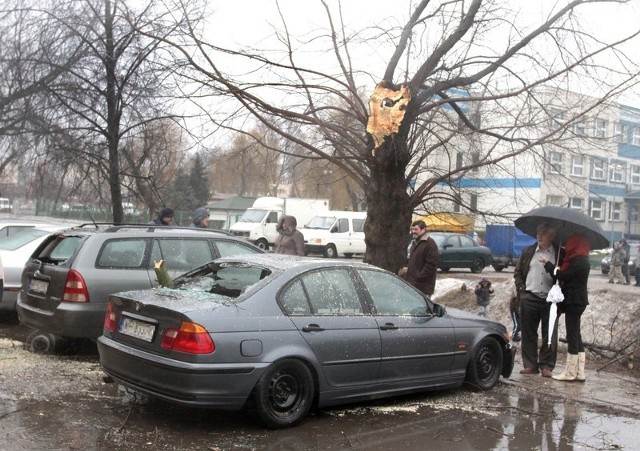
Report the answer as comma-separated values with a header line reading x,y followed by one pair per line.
x,y
69,277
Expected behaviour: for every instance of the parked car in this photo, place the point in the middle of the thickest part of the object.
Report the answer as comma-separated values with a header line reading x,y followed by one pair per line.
x,y
15,250
605,265
67,281
279,333
460,251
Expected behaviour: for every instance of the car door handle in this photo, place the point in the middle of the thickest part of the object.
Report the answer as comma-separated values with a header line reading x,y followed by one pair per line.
x,y
388,326
312,328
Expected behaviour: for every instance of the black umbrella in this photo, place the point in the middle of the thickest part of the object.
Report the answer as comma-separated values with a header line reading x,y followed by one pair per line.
x,y
565,221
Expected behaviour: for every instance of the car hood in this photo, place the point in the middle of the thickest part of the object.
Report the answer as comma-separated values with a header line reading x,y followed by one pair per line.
x,y
462,314
179,300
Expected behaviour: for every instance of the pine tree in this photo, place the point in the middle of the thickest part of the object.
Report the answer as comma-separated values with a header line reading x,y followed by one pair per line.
x,y
199,182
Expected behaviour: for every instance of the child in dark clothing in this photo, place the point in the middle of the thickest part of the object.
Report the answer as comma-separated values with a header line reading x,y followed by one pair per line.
x,y
483,292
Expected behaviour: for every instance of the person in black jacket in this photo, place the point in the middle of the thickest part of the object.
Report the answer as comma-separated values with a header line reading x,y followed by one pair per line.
x,y
573,275
423,260
533,284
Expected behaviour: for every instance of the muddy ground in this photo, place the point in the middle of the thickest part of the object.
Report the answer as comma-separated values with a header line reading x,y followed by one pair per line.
x,y
61,402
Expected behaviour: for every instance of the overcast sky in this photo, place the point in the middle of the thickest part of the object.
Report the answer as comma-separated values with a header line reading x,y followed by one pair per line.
x,y
247,22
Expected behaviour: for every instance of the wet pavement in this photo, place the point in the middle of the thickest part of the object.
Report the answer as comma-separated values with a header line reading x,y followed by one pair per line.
x,y
59,402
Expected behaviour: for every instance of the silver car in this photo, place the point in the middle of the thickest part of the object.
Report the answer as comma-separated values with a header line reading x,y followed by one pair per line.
x,y
66,283
280,334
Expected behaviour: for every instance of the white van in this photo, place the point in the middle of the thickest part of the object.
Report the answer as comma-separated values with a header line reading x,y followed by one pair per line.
x,y
335,233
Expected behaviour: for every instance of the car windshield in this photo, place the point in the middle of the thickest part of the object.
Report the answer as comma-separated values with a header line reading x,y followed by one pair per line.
x,y
230,279
321,222
439,239
253,215
19,239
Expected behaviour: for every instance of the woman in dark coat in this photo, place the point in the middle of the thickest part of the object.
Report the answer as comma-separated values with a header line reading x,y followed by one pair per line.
x,y
573,275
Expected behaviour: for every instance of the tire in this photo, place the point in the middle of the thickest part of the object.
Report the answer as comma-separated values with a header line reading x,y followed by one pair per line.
x,y
348,255
485,365
284,394
605,270
445,269
477,265
330,251
498,268
262,244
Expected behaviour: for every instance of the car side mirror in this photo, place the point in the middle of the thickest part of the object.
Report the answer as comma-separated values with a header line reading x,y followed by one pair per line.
x,y
439,310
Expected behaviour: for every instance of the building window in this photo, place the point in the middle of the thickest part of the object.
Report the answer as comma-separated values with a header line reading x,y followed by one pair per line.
x,y
575,203
614,211
557,118
635,214
473,202
616,173
598,169
577,165
457,201
459,160
635,174
600,128
556,201
555,162
620,132
580,128
635,139
475,160
595,209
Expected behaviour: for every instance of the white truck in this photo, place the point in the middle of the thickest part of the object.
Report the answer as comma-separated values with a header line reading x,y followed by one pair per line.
x,y
258,223
335,233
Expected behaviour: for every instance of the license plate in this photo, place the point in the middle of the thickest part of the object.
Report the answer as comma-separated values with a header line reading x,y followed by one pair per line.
x,y
138,329
38,286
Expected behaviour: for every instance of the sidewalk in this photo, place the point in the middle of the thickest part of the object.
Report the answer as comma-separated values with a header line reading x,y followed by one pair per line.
x,y
604,389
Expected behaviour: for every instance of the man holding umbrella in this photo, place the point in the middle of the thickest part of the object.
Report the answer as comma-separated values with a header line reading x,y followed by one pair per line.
x,y
533,284
549,224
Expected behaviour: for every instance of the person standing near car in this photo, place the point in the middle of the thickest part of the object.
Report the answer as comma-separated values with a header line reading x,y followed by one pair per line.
x,y
201,218
625,261
573,275
636,262
423,260
165,217
617,258
533,284
290,240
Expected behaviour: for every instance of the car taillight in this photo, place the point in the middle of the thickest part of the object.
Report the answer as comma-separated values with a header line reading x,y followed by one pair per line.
x,y
191,338
75,290
110,319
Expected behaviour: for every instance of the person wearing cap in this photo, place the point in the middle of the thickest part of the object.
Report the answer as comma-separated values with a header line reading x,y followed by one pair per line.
x,y
165,217
201,218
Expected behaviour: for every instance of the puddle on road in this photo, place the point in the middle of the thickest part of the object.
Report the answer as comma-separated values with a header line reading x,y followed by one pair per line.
x,y
99,416
106,420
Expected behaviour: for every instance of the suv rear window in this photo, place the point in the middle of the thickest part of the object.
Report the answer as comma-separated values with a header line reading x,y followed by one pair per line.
x,y
122,254
65,248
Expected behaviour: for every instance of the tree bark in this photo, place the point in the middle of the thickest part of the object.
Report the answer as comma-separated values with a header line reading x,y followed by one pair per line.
x,y
389,209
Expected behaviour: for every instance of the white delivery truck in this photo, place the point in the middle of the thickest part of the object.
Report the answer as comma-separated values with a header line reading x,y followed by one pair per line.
x,y
335,233
258,223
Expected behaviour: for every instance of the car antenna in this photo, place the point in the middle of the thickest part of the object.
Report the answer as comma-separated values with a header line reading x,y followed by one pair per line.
x,y
92,220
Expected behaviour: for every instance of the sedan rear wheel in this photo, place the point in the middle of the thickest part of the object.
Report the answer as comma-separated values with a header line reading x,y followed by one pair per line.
x,y
284,394
485,365
477,265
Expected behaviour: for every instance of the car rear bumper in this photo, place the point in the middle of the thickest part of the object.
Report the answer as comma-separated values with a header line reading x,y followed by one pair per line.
x,y
67,320
221,386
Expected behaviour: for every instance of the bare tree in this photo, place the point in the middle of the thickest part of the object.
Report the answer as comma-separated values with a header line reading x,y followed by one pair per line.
x,y
120,82
29,61
445,61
